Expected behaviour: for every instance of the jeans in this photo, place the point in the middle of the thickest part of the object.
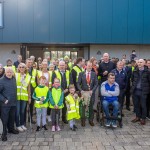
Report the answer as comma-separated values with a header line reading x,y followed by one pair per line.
x,y
8,118
115,105
140,105
20,113
55,114
72,123
41,112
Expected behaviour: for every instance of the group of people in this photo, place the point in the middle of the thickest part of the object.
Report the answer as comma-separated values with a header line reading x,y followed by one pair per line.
x,y
71,88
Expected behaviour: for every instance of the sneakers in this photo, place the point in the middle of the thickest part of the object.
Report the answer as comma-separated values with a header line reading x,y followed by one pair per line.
x,y
24,128
58,128
53,129
49,118
44,127
38,128
20,129
114,124
108,123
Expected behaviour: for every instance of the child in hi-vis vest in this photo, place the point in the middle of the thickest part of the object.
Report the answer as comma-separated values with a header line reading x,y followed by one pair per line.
x,y
41,96
72,102
56,103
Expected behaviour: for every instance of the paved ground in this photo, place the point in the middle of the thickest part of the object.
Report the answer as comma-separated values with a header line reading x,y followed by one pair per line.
x,y
131,136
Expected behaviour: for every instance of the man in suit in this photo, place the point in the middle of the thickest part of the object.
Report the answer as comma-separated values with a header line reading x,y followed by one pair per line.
x,y
66,78
88,82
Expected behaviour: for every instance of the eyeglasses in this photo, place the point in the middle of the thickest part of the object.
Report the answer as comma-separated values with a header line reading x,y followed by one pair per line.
x,y
22,67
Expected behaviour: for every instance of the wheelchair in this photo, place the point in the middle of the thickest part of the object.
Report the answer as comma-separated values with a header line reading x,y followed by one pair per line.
x,y
101,115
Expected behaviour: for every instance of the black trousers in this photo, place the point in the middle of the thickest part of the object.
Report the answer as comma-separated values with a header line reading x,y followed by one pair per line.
x,y
8,118
121,97
64,109
148,105
127,95
140,105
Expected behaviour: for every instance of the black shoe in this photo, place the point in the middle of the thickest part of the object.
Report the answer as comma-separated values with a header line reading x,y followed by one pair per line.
x,y
65,121
33,122
75,126
73,129
44,127
38,128
128,108
122,115
4,138
13,131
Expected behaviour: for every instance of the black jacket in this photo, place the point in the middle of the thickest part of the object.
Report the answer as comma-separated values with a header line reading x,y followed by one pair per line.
x,y
8,91
105,67
145,82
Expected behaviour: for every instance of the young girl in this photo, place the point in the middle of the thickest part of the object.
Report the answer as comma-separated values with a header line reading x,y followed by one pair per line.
x,y
41,96
56,103
72,102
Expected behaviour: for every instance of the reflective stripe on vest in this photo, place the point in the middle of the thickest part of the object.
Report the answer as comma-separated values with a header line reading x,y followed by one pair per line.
x,y
33,82
67,73
22,91
77,70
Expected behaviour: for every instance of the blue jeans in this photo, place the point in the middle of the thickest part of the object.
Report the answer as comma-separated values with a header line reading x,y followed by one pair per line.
x,y
115,105
20,112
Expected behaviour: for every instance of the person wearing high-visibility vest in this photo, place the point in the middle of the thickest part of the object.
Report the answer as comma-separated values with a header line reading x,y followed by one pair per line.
x,y
23,95
76,70
41,97
72,102
56,103
33,74
46,73
65,78
10,64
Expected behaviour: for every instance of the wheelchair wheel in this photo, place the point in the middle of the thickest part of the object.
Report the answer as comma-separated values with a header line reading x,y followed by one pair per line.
x,y
100,117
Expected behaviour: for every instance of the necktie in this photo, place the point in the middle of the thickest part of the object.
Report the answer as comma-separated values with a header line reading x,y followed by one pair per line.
x,y
88,78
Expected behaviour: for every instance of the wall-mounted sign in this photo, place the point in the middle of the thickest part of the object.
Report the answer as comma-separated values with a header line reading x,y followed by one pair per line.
x,y
1,14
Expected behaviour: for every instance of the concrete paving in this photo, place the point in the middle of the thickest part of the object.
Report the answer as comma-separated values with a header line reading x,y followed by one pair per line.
x,y
130,137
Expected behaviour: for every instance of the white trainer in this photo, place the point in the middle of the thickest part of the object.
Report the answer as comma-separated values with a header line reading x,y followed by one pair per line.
x,y
19,129
24,128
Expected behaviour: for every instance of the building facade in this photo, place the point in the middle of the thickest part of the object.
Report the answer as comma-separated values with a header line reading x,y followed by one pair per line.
x,y
74,27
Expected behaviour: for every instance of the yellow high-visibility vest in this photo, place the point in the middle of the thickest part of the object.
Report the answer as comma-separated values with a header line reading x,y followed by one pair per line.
x,y
73,104
33,82
56,94
41,92
77,70
67,73
22,91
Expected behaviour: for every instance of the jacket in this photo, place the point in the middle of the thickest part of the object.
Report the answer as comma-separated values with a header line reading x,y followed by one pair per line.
x,y
8,91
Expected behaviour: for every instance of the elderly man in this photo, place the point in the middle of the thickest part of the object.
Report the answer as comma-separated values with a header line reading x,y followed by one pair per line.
x,y
8,97
121,79
140,89
87,83
66,79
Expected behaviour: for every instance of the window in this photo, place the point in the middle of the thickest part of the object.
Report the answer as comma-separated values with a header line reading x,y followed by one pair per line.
x,y
1,14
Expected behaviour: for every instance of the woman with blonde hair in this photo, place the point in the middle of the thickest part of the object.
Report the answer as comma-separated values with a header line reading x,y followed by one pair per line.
x,y
23,95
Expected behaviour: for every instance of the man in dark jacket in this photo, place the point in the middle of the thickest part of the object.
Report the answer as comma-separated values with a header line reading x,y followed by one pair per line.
x,y
121,79
2,70
8,97
19,60
105,67
140,89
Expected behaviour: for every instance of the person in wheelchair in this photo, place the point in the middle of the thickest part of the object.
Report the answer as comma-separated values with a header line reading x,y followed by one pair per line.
x,y
110,92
